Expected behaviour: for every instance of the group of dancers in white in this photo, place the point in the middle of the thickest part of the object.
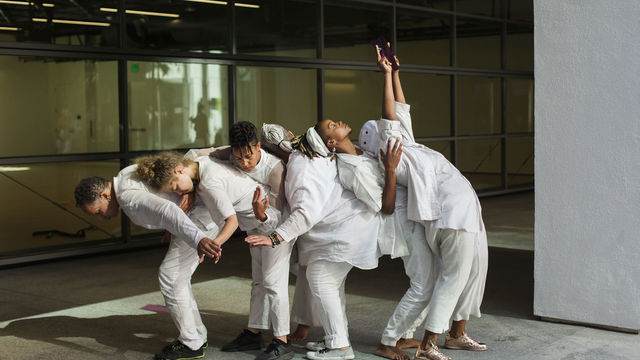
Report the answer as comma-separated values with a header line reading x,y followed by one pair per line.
x,y
331,203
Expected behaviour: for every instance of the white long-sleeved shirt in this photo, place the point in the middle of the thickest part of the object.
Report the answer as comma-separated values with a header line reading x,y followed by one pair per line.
x,y
437,189
227,191
360,174
152,211
333,225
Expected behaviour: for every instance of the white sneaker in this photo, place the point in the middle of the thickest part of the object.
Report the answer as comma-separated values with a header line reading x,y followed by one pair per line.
x,y
331,354
315,345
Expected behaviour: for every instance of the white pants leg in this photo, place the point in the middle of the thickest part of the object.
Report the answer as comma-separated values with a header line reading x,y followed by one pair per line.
x,y
472,294
270,272
174,275
457,250
421,269
303,310
326,280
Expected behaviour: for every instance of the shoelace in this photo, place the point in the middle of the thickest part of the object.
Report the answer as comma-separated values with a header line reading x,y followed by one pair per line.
x,y
273,347
177,346
323,351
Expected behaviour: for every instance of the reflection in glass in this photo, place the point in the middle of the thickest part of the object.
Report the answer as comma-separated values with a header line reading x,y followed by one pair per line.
x,y
177,105
430,100
277,95
480,7
58,22
350,26
57,106
423,38
353,97
519,48
480,161
443,147
478,105
277,27
519,114
177,25
478,44
520,161
30,194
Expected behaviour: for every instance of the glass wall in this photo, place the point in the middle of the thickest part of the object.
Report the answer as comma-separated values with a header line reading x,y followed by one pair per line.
x,y
86,87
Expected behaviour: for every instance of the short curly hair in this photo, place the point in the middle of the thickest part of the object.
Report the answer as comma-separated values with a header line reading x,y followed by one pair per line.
x,y
88,190
243,134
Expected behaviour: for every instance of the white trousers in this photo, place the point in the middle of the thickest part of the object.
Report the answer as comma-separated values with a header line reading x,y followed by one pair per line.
x,y
174,275
459,287
269,306
326,281
421,269
304,309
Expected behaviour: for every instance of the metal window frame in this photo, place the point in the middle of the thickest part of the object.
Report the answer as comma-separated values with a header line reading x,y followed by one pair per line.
x,y
123,55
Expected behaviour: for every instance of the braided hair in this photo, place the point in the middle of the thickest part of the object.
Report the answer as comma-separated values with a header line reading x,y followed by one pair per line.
x,y
243,134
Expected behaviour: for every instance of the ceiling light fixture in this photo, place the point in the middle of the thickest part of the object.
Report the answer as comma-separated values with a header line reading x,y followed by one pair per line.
x,y
72,22
139,12
9,28
215,2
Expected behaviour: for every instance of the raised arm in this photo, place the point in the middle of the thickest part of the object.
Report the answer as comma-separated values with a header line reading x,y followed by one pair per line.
x,y
390,162
388,100
397,86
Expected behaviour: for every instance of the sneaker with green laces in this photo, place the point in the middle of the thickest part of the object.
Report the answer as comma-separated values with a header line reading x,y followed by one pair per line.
x,y
180,351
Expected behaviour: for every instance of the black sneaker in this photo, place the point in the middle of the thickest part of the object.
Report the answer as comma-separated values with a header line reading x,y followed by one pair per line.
x,y
245,341
180,351
277,350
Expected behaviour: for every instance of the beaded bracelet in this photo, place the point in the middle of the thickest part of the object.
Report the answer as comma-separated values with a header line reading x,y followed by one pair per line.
x,y
275,240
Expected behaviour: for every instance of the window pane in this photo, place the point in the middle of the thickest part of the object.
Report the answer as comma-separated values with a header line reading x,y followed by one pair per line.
x,y
56,106
430,100
30,218
436,4
520,161
177,105
480,161
349,27
277,95
478,105
519,105
519,48
423,38
177,25
480,7
57,22
520,10
353,97
478,44
443,147
277,27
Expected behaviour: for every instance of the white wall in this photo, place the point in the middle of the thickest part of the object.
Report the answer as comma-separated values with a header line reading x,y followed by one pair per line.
x,y
587,166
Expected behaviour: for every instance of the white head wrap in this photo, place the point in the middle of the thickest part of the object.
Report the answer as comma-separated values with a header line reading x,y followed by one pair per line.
x,y
316,143
275,134
368,139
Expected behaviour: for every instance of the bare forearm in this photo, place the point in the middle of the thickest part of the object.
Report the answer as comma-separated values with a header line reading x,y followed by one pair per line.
x,y
388,101
230,226
397,88
389,192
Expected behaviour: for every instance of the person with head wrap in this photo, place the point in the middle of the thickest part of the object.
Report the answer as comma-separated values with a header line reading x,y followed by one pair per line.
x,y
444,201
335,231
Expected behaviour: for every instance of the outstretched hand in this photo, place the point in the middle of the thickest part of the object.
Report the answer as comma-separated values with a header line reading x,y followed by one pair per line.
x,y
259,206
208,248
258,240
383,64
391,159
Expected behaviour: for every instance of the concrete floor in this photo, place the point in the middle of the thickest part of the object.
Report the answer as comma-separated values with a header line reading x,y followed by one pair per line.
x,y
91,308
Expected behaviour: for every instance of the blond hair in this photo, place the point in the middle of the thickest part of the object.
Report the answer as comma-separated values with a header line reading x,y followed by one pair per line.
x,y
158,170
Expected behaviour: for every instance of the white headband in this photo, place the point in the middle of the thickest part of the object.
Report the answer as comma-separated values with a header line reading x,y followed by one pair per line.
x,y
316,143
275,134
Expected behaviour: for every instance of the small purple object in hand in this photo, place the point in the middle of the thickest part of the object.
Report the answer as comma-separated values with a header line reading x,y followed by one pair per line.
x,y
385,51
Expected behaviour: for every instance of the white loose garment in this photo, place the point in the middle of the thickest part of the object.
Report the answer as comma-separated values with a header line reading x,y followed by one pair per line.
x,y
152,211
337,227
361,175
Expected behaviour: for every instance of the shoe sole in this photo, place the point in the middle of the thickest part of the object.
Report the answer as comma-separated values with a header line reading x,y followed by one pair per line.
x,y
244,348
348,357
286,356
463,348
